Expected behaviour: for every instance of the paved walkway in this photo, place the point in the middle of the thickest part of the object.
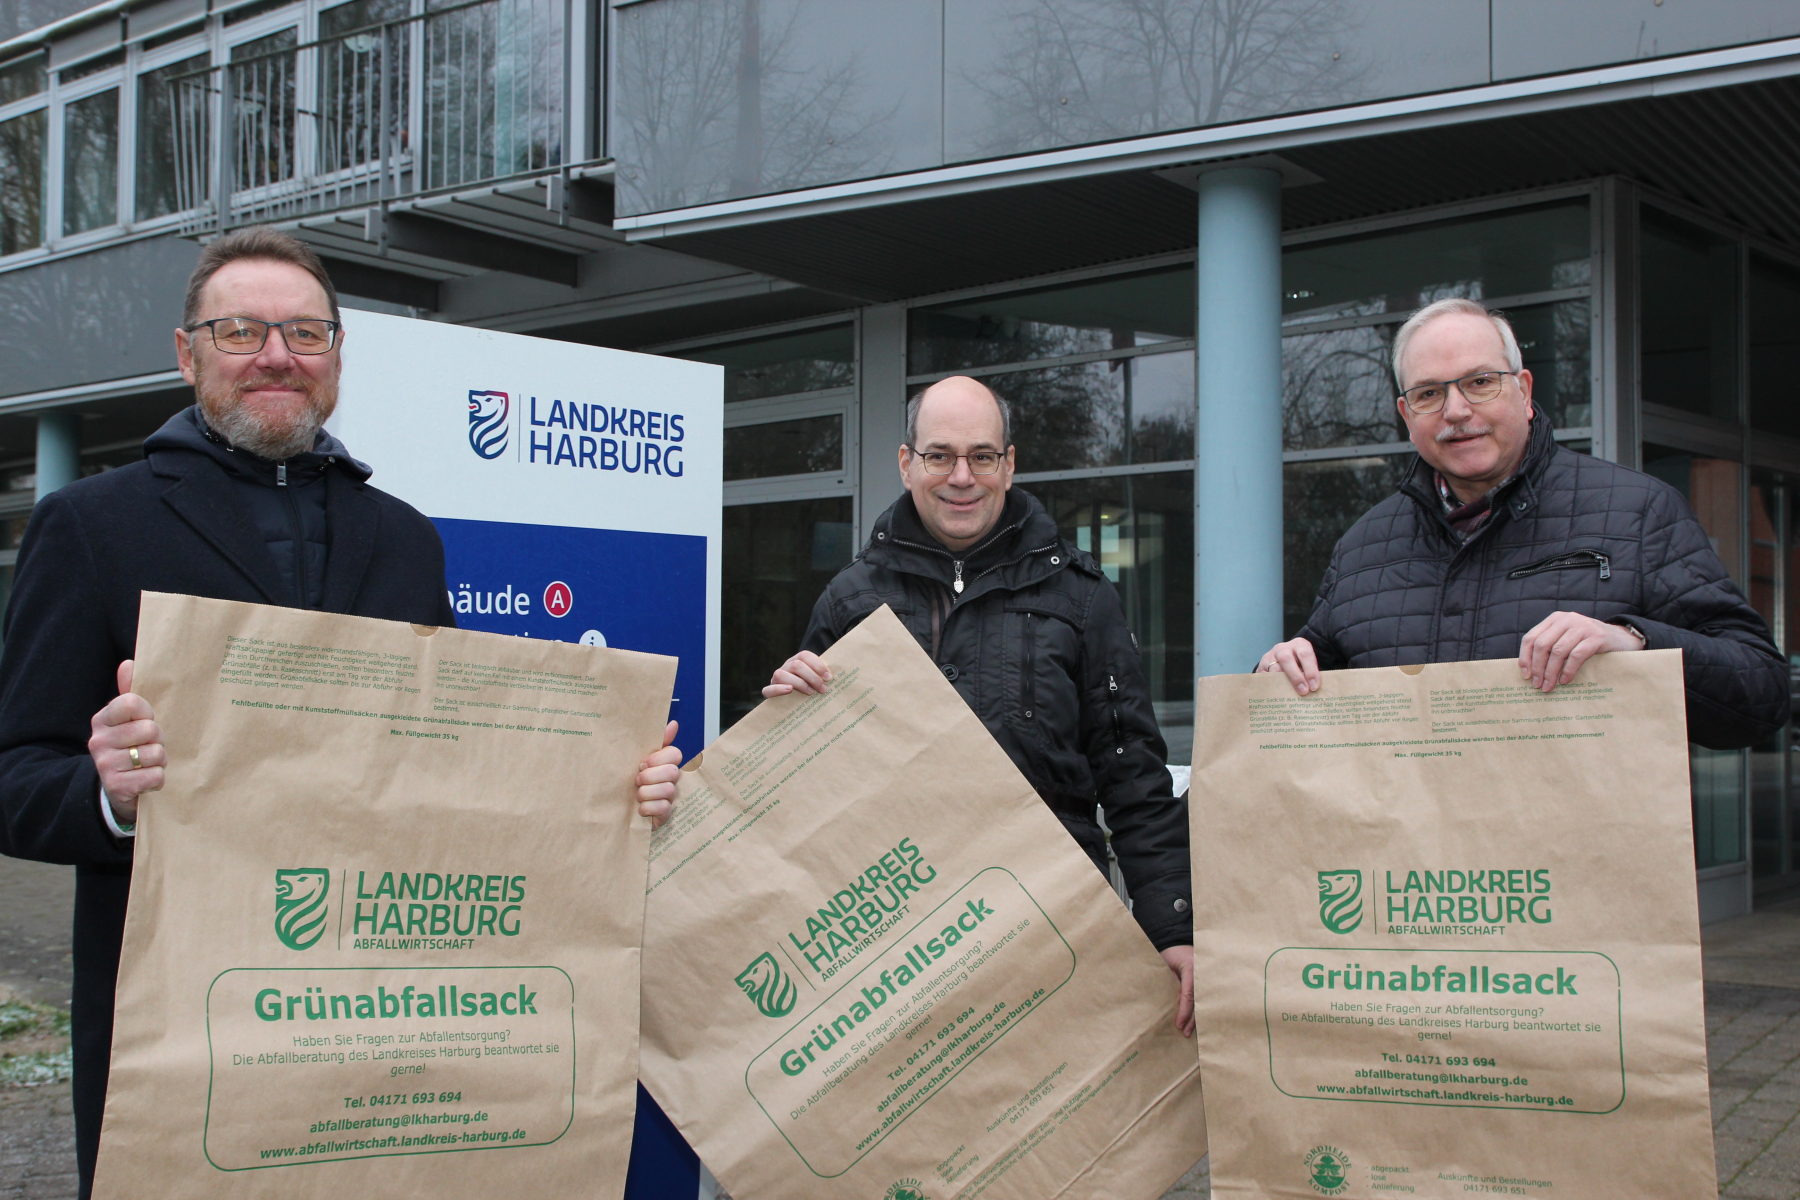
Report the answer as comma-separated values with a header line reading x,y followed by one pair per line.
x,y
1752,1034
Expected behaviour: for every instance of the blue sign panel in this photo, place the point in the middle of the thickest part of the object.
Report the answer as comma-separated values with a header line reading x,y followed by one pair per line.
x,y
598,587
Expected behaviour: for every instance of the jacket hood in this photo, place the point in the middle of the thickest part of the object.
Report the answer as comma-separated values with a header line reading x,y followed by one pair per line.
x,y
187,430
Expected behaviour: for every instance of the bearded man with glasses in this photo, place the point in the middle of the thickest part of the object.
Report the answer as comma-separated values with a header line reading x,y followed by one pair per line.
x,y
1033,636
1500,543
243,496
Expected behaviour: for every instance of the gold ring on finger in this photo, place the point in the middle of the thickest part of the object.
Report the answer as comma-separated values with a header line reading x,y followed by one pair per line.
x,y
136,762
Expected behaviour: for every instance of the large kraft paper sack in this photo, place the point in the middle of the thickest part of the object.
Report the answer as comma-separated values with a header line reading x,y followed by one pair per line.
x,y
875,965
385,917
1447,935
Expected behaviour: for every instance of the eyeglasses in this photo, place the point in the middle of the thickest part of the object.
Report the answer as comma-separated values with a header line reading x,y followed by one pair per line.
x,y
1479,388
942,462
245,335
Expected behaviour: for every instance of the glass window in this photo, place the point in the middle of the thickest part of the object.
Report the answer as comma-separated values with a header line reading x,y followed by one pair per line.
x,y
22,182
798,447
91,162
1768,788
158,192
811,360
1717,777
1556,345
1320,501
1141,528
1104,314
1338,388
1069,417
239,15
1689,284
1509,253
777,560
1774,359
92,66
1713,488
23,77
263,76
359,14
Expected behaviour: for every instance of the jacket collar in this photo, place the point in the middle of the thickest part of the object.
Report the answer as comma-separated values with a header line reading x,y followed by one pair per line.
x,y
1023,548
1513,499
200,492
188,430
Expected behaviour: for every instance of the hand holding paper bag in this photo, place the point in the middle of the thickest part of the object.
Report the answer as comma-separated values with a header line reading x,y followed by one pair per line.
x,y
385,917
876,965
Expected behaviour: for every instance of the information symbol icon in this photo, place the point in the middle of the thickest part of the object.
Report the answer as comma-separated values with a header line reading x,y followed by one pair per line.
x,y
593,637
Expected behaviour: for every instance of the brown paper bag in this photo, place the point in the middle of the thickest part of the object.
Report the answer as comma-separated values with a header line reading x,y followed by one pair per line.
x,y
875,965
1447,936
385,915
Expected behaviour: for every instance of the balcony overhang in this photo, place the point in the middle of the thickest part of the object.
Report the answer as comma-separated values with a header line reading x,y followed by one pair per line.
x,y
1716,129
401,250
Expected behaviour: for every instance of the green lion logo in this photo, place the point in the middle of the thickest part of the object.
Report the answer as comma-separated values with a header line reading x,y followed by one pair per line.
x,y
906,1189
300,907
1328,1170
768,986
1340,900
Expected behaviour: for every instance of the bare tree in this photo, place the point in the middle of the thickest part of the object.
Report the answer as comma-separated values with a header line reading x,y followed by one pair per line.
x,y
714,101
1092,70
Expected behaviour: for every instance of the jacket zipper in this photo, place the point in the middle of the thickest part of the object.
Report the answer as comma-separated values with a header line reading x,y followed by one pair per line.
x,y
957,563
1564,562
281,481
1112,700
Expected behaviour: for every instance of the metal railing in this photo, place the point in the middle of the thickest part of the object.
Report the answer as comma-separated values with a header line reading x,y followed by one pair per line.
x,y
444,99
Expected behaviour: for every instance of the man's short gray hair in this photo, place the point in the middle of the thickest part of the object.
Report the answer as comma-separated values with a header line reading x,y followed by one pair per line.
x,y
1459,306
912,414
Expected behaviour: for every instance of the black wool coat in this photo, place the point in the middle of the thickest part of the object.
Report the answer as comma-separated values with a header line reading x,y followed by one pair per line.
x,y
172,523
1036,644
1569,532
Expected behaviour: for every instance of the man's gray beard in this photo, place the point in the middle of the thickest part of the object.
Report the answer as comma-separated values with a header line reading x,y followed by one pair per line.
x,y
243,429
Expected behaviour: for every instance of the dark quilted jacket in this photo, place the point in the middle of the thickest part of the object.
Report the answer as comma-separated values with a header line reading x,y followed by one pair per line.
x,y
1036,644
1569,533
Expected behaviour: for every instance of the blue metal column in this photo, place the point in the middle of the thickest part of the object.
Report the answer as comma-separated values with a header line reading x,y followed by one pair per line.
x,y
58,450
1237,489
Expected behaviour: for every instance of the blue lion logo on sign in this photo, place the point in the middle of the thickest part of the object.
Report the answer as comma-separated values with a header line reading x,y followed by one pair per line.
x,y
487,423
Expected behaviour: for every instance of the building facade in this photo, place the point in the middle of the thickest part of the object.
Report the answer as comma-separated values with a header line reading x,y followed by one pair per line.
x,y
1178,235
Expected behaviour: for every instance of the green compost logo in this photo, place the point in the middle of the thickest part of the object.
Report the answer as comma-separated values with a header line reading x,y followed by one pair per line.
x,y
906,1189
300,908
1328,1170
1340,900
768,986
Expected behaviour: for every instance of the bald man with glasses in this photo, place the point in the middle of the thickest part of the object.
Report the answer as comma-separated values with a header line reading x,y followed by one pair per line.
x,y
1033,636
1501,543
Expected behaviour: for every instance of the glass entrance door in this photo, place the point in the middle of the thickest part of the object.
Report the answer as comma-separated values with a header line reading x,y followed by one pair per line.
x,y
1775,763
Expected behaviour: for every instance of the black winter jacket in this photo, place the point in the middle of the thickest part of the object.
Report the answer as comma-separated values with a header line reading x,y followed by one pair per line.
x,y
176,522
1569,533
1036,644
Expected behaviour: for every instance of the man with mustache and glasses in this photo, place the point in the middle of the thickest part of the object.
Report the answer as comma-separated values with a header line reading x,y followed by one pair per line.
x,y
1501,543
243,496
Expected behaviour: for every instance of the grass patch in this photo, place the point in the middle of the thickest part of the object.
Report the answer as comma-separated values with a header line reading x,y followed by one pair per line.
x,y
24,1063
36,1069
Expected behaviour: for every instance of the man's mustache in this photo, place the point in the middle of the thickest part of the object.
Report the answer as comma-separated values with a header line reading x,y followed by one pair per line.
x,y
298,383
1463,430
